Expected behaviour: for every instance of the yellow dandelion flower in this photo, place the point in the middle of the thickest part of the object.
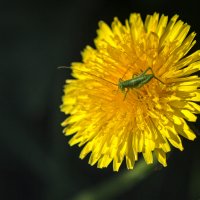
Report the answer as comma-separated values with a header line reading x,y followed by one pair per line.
x,y
116,124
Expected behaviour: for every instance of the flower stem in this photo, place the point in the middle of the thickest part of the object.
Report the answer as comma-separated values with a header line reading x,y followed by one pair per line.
x,y
118,184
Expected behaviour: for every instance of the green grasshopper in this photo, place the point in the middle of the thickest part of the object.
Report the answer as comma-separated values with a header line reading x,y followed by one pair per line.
x,y
137,81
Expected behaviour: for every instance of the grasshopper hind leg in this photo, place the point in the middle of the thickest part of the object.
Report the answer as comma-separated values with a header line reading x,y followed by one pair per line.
x,y
149,68
125,94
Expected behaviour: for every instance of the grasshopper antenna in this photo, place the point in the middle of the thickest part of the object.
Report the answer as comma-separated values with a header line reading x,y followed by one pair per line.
x,y
65,67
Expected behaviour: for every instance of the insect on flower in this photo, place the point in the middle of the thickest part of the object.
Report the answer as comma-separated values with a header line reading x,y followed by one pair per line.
x,y
148,63
137,81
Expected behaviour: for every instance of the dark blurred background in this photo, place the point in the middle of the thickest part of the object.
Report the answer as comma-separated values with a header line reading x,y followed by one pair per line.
x,y
35,159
